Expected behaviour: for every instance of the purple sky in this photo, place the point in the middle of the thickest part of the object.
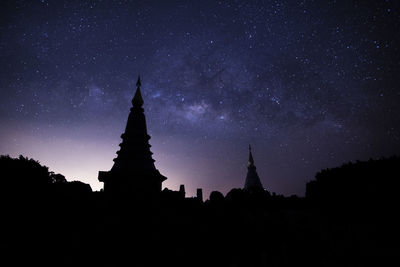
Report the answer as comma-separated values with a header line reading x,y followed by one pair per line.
x,y
310,84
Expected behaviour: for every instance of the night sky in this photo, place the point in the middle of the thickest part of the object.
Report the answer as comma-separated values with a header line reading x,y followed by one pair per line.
x,y
309,84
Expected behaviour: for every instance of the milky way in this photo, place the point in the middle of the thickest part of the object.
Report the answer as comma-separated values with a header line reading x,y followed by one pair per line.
x,y
310,84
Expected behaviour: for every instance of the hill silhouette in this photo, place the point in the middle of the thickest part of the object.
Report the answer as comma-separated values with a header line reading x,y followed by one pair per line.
x,y
348,217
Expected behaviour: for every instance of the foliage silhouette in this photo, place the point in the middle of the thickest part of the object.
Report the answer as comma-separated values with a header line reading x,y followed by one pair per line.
x,y
360,185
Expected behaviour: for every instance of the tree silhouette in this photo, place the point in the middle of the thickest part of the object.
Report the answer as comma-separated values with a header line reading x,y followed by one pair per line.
x,y
363,184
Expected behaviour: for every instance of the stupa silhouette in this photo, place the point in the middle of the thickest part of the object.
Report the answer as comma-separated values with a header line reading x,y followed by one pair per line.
x,y
133,172
252,183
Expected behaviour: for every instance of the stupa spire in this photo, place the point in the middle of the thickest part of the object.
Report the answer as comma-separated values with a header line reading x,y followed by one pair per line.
x,y
251,160
252,183
137,100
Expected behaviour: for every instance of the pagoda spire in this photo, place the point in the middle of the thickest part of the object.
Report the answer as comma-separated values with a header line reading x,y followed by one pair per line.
x,y
251,160
252,183
137,100
134,170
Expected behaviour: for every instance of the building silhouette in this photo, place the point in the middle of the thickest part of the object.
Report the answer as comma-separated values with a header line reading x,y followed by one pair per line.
x,y
133,172
252,183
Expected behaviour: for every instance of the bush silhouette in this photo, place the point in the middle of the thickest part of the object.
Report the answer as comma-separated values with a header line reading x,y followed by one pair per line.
x,y
216,197
360,184
25,180
23,173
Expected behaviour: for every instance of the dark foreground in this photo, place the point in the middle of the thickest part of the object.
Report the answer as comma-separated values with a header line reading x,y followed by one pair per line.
x,y
348,218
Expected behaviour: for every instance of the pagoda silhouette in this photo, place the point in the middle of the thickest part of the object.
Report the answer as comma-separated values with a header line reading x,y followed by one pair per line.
x,y
133,172
252,183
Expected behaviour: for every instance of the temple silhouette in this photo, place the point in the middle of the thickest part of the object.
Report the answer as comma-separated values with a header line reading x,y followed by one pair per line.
x,y
134,172
252,183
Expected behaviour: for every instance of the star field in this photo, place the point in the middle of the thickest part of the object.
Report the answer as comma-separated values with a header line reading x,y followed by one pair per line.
x,y
310,84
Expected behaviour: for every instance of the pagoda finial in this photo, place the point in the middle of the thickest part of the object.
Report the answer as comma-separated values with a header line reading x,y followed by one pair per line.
x,y
137,99
251,160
